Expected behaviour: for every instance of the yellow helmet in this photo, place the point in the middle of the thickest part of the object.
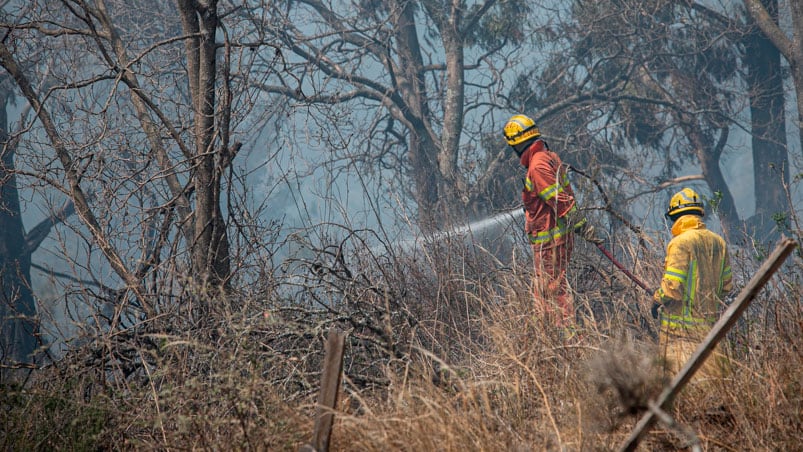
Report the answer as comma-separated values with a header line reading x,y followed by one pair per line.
x,y
685,202
520,128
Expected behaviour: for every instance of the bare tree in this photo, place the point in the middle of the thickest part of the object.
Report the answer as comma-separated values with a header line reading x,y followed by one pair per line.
x,y
199,148
133,122
410,84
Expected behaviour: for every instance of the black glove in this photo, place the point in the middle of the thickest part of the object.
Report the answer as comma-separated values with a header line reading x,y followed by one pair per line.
x,y
656,309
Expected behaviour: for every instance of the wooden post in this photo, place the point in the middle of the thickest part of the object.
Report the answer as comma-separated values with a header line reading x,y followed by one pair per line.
x,y
327,397
718,331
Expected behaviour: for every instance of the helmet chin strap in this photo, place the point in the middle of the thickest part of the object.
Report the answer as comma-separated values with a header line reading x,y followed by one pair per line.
x,y
668,223
521,147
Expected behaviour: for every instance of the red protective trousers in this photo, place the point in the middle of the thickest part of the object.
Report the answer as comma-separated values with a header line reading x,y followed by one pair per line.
x,y
553,298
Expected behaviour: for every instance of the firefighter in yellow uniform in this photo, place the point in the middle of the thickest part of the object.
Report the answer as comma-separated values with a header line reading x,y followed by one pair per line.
x,y
697,276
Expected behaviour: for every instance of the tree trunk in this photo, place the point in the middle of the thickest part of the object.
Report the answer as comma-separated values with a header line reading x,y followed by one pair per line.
x,y
18,336
423,151
709,155
453,187
768,123
211,248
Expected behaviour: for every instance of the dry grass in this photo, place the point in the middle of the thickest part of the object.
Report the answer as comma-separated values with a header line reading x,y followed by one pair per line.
x,y
443,353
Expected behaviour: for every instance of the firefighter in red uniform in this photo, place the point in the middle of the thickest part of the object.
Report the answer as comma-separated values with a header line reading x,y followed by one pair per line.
x,y
550,218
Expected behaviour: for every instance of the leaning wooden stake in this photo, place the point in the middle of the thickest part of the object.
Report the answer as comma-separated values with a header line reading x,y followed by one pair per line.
x,y
718,331
327,398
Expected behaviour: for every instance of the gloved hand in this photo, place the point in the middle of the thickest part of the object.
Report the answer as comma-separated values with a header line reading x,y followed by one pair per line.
x,y
656,310
586,231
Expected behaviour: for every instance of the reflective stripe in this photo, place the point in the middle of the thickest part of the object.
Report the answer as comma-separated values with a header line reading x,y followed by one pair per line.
x,y
724,274
691,288
674,274
684,318
680,321
547,236
674,320
528,184
553,190
684,322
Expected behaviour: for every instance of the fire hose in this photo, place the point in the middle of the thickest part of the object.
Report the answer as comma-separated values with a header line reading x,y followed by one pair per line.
x,y
622,267
608,207
654,311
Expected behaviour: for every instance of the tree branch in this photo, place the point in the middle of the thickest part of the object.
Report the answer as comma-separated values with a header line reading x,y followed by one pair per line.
x,y
39,233
474,19
768,26
70,168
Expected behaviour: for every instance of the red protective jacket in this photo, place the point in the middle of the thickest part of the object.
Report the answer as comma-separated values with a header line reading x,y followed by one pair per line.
x,y
547,196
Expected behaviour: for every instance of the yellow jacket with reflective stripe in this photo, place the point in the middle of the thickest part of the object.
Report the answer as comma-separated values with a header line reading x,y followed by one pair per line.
x,y
697,274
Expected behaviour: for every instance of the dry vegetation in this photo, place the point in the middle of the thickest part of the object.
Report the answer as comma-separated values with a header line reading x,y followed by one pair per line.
x,y
443,353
